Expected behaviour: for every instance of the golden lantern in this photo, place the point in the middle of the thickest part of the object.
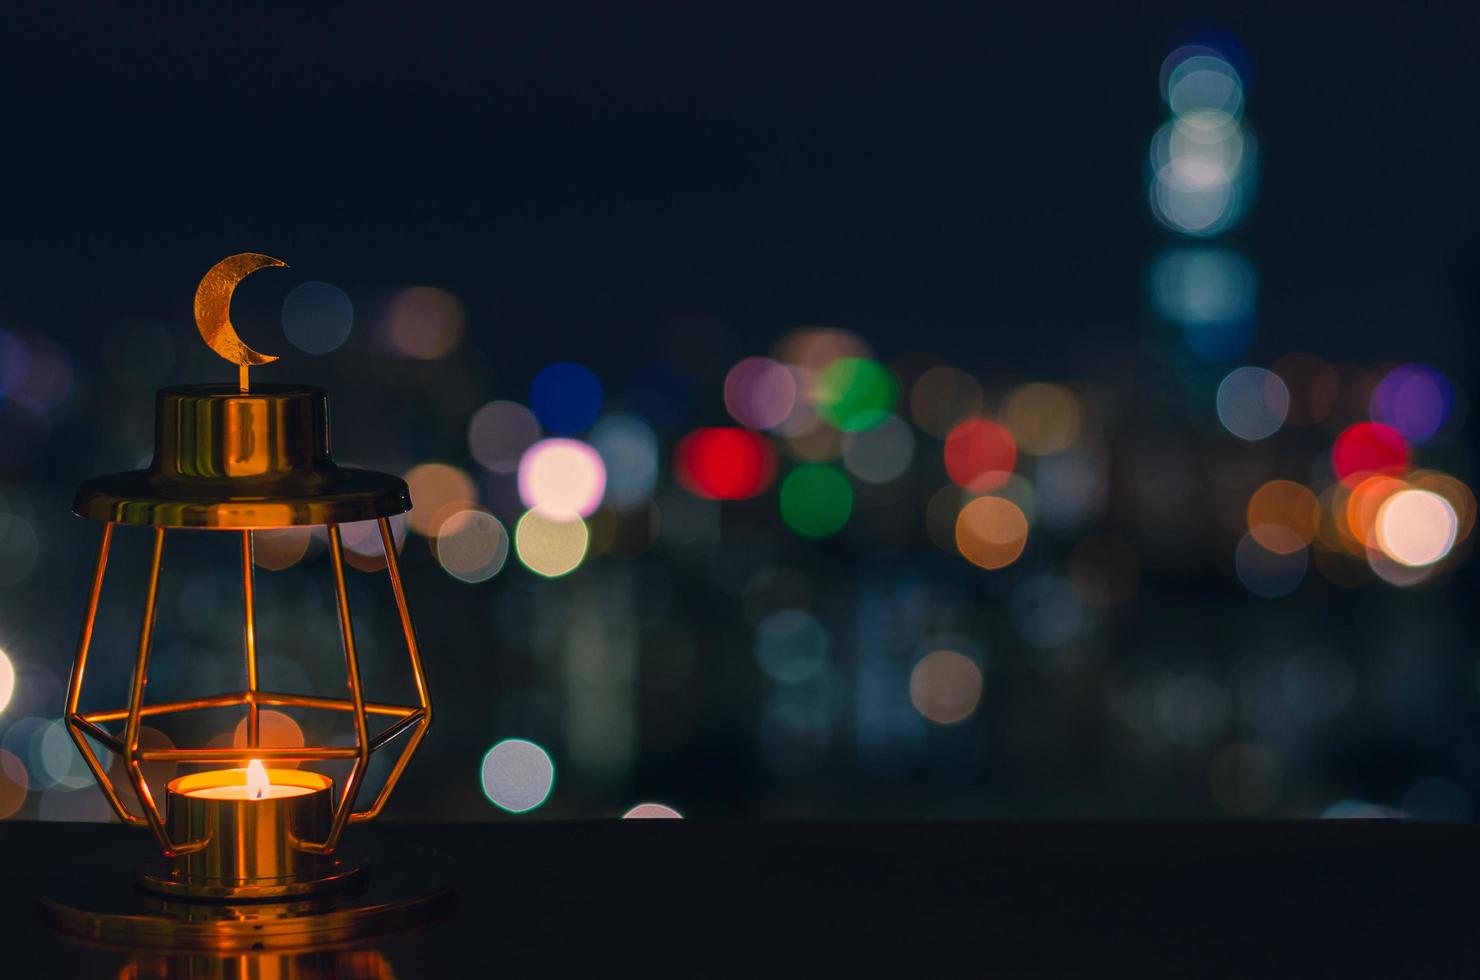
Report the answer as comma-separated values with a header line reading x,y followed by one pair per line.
x,y
234,460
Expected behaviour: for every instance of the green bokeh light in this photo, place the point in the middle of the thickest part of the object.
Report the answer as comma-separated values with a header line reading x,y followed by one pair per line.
x,y
816,500
854,394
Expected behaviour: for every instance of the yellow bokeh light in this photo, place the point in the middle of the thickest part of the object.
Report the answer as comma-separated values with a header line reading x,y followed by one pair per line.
x,y
945,686
14,784
278,548
1043,418
1416,527
991,532
278,731
1283,516
7,680
548,547
437,492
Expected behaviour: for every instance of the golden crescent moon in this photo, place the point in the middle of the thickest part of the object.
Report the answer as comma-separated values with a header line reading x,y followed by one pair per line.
x,y
213,306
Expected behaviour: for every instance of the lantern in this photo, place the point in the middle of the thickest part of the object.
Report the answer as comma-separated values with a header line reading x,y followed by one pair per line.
x,y
234,460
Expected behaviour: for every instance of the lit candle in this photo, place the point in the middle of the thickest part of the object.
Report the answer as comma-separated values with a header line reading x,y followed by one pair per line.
x,y
256,785
255,830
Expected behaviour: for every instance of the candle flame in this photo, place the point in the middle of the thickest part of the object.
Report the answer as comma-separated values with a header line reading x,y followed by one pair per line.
x,y
256,779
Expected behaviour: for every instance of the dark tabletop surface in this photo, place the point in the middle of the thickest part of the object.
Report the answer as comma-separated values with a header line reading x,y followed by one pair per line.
x,y
690,898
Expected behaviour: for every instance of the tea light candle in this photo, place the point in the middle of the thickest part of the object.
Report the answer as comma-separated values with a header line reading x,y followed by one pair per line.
x,y
261,832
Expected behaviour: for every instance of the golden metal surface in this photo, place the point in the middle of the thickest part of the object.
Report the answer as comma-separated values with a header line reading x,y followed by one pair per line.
x,y
224,459
254,848
414,719
213,309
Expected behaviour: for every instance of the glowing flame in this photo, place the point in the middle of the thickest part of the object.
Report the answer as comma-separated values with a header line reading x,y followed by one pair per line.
x,y
256,779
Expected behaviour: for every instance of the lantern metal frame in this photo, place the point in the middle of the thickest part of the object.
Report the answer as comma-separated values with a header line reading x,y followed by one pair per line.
x,y
84,725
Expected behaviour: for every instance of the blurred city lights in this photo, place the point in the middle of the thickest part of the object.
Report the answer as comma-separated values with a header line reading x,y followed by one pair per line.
x,y
629,449
760,392
517,775
1415,400
945,687
562,479
980,454
549,547
1210,292
991,532
1367,448
1283,516
854,394
317,317
7,680
724,463
943,396
422,322
1044,419
1252,403
566,398
652,811
471,546
816,500
438,490
499,433
1416,527
791,646
1267,573
14,784
880,454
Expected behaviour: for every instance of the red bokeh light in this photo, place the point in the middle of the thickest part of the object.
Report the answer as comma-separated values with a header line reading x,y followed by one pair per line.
x,y
724,463
980,454
1367,448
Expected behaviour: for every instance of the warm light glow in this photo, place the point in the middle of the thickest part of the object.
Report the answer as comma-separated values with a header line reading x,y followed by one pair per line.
x,y
550,548
562,479
1416,527
652,811
439,490
991,532
257,783
7,680
946,686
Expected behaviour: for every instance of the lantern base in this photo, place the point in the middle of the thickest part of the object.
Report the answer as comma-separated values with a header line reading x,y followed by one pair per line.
x,y
97,903
160,874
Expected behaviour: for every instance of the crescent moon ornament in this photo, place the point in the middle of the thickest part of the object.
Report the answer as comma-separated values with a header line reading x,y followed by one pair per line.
x,y
213,309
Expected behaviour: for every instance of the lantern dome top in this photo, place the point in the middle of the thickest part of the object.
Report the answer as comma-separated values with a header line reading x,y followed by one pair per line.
x,y
224,458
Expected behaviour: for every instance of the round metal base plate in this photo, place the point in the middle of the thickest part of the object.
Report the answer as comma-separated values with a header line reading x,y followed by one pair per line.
x,y
97,902
157,874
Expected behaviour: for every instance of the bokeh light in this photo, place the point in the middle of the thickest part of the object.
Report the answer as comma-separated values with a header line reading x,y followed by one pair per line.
x,y
1283,516
980,454
945,686
317,317
943,396
991,532
816,500
652,811
517,775
1210,292
7,680
760,392
438,490
629,449
813,348
1044,419
472,546
364,548
854,394
278,548
1267,573
548,547
499,433
277,730
14,784
880,454
562,479
1367,448
566,398
1414,399
1416,527
423,322
724,463
791,646
1252,403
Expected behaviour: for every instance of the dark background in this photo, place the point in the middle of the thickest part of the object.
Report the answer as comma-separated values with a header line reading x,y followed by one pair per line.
x,y
603,184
